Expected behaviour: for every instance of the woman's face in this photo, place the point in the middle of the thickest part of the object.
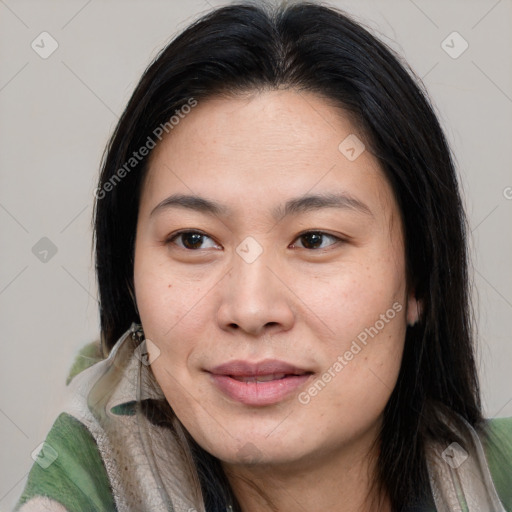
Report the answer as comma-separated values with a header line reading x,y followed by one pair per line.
x,y
270,279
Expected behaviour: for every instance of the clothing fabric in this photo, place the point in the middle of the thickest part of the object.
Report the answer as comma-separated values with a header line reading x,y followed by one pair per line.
x,y
104,454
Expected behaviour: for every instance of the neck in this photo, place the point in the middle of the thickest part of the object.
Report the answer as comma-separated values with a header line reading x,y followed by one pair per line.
x,y
341,482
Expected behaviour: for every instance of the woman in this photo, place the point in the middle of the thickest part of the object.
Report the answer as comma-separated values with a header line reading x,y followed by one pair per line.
x,y
282,267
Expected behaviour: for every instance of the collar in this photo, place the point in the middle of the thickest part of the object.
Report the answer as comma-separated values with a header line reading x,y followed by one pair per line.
x,y
115,384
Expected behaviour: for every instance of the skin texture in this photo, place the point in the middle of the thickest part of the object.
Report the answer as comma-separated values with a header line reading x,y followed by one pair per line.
x,y
306,306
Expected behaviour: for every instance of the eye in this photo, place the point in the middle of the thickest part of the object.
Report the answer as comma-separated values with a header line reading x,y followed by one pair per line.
x,y
192,240
316,240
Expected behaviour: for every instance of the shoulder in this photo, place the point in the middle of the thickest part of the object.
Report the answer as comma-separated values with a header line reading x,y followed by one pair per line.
x,y
68,474
500,430
497,443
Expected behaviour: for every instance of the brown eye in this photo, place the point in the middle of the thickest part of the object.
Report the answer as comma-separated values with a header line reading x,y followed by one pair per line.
x,y
192,240
316,240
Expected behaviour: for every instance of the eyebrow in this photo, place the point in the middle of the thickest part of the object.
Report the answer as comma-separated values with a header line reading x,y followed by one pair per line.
x,y
293,206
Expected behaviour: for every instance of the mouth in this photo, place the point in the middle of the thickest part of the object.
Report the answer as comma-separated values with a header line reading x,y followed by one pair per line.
x,y
258,384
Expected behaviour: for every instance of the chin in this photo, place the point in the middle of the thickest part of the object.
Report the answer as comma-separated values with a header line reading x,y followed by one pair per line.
x,y
250,447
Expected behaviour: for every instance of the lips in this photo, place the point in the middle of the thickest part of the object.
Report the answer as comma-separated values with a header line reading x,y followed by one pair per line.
x,y
262,383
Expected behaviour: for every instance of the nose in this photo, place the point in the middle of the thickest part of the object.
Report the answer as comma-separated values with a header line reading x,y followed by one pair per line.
x,y
255,299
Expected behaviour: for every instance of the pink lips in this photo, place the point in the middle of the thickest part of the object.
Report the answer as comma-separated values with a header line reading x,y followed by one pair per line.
x,y
263,383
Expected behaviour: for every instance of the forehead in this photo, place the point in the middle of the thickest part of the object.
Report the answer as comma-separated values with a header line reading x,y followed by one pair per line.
x,y
268,145
271,124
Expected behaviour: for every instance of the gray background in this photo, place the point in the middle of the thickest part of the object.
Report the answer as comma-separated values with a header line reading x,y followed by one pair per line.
x,y
56,115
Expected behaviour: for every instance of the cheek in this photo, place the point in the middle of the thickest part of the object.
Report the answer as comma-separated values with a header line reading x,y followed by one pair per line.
x,y
173,313
173,307
360,310
351,296
359,375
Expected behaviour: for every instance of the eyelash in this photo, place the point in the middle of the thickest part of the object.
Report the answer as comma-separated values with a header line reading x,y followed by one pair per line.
x,y
337,239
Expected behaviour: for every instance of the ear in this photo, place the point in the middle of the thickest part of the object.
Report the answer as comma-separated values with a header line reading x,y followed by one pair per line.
x,y
414,309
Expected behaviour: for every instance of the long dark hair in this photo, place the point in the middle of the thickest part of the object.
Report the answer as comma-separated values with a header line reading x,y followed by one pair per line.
x,y
305,46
